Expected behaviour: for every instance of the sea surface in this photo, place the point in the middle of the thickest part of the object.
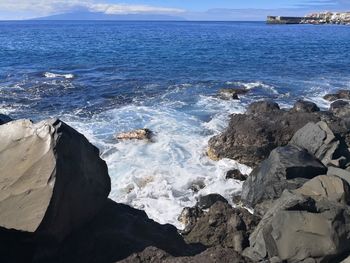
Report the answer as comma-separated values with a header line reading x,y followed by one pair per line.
x,y
103,78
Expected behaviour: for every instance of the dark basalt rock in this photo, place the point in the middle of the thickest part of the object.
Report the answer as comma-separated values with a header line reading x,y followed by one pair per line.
x,y
4,119
236,174
305,106
250,138
287,167
206,201
231,93
222,225
340,108
298,228
340,94
262,107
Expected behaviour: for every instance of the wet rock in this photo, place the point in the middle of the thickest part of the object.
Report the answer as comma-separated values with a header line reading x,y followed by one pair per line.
x,y
139,134
236,174
222,225
301,229
320,141
49,172
262,107
287,167
267,130
216,254
189,217
4,119
231,93
340,108
341,94
206,201
305,106
330,187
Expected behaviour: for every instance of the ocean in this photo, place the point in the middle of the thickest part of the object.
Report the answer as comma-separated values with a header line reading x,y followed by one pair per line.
x,y
103,78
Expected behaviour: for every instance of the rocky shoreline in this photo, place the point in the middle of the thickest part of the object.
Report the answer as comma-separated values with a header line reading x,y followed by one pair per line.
x,y
54,204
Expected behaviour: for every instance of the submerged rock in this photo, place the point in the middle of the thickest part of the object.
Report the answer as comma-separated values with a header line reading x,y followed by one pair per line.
x,y
231,93
139,134
319,140
298,228
287,167
305,106
49,172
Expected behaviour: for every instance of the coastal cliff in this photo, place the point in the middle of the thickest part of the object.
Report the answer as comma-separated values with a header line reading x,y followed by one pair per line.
x,y
339,18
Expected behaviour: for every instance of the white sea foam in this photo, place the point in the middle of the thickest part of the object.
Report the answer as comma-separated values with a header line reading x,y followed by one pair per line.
x,y
159,177
56,75
253,85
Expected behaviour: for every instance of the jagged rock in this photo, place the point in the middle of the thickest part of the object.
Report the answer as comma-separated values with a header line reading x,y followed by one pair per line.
x,y
300,229
4,119
216,254
340,108
139,134
262,107
287,167
236,174
206,201
188,218
344,174
340,94
222,225
305,106
231,93
330,187
49,172
320,141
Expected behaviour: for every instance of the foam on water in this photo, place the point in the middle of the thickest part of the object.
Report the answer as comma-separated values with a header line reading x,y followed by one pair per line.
x,y
160,177
56,75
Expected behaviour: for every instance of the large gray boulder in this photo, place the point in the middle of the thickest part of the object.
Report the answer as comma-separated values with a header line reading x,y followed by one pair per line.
x,y
52,179
262,107
298,228
305,106
320,141
287,167
340,108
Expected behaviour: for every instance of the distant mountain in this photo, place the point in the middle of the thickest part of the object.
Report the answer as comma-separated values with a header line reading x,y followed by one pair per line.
x,y
102,16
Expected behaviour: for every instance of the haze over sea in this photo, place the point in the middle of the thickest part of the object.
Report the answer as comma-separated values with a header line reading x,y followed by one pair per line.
x,y
107,77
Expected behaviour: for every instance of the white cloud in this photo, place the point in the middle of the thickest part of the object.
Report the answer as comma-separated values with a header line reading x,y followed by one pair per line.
x,y
47,7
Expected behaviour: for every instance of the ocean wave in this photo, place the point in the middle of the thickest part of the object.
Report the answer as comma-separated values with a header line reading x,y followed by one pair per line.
x,y
56,75
254,85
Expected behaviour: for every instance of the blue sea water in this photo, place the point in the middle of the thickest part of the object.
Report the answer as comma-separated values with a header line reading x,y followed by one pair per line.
x,y
107,77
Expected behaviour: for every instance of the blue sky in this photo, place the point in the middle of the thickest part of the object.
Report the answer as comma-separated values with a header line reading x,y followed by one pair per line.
x,y
189,9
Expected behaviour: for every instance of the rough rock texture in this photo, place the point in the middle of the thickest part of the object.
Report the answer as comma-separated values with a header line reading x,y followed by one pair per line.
x,y
328,18
140,134
305,106
211,255
320,141
114,234
222,225
4,119
206,201
344,174
330,187
231,93
340,108
236,174
287,167
341,94
299,228
262,107
267,130
49,172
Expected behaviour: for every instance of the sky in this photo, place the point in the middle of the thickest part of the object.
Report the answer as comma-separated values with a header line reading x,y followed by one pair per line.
x,y
188,9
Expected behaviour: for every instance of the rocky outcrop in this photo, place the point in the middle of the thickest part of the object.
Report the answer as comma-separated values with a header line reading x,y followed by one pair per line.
x,y
340,108
48,173
236,174
4,119
139,134
206,201
305,106
320,141
231,93
249,138
340,94
298,228
327,18
221,225
287,167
